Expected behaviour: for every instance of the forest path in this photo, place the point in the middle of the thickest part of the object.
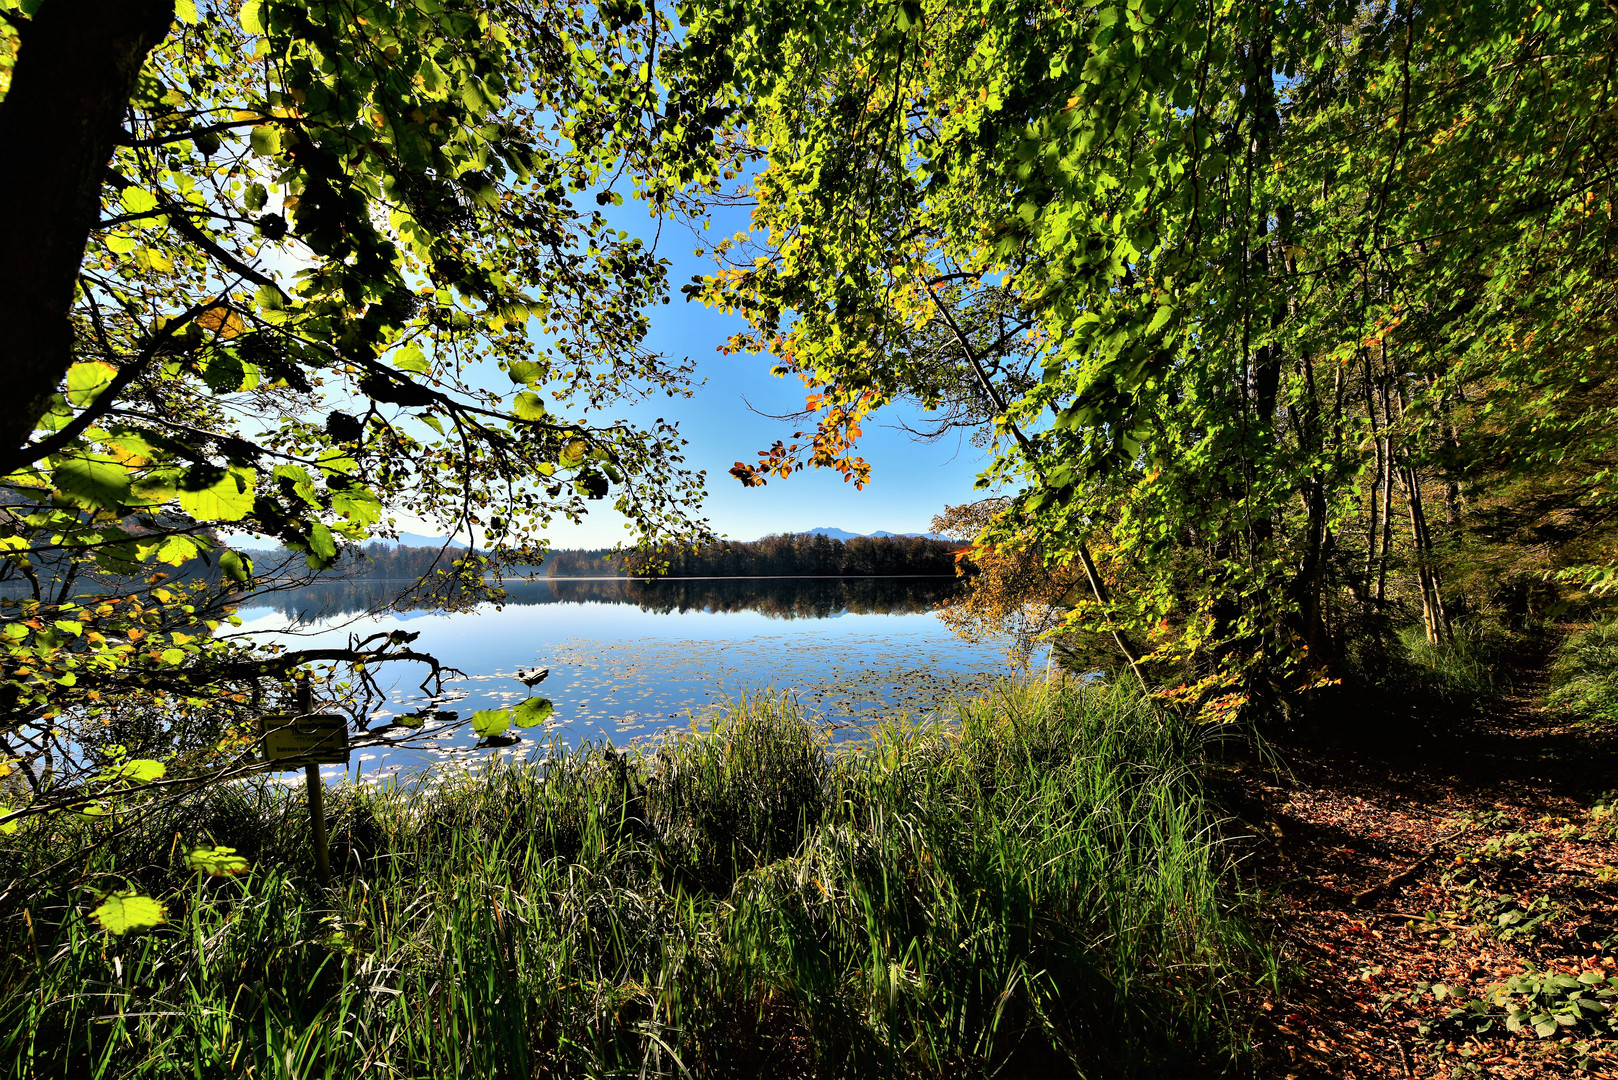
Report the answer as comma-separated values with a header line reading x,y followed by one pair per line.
x,y
1459,849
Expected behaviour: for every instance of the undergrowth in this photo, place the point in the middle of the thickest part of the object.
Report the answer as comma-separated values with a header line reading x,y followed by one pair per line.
x,y
1584,675
1037,888
1471,668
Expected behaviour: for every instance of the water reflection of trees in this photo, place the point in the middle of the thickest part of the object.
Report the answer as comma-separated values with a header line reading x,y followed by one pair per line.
x,y
778,598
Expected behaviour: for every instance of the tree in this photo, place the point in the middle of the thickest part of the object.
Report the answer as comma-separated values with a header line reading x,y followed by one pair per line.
x,y
293,268
1008,592
1224,279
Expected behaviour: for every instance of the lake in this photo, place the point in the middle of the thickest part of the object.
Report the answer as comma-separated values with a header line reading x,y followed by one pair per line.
x,y
629,658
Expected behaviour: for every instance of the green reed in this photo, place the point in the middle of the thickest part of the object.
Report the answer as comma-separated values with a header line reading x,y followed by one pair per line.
x,y
1038,887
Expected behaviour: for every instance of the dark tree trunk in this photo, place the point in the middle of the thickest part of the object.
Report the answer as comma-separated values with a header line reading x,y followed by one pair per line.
x,y
77,62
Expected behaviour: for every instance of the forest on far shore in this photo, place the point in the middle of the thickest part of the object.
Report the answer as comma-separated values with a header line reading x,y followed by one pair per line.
x,y
777,555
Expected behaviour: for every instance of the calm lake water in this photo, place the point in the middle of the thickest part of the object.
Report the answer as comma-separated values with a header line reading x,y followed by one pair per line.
x,y
630,658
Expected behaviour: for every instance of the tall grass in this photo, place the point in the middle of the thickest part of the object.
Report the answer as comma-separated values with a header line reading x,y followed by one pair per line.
x,y
1584,674
1470,667
1038,888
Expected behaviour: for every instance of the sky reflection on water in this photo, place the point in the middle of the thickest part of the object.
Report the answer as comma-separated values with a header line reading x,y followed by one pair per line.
x,y
628,659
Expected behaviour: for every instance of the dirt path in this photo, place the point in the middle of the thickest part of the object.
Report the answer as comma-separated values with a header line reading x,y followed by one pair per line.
x,y
1419,864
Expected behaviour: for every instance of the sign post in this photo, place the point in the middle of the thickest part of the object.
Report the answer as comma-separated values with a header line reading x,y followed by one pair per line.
x,y
308,739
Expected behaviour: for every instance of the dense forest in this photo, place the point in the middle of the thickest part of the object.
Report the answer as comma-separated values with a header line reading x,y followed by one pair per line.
x,y
789,598
1287,331
778,555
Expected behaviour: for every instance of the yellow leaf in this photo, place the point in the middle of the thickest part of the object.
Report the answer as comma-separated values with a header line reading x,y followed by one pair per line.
x,y
223,319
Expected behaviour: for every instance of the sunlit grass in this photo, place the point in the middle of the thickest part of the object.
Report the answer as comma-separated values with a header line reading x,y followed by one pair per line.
x,y
1039,882
1584,675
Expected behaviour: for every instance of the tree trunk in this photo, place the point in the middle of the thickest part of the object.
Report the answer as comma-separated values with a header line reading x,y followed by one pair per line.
x,y
76,67
1376,486
1387,521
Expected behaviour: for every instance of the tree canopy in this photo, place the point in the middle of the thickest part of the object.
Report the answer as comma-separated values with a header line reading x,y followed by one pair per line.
x,y
1235,287
295,268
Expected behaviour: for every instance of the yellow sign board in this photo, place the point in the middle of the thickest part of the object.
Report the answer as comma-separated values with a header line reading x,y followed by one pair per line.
x,y
292,742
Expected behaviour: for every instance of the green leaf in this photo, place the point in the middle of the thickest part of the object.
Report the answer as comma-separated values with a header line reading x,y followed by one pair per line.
x,y
217,861
411,358
525,372
186,11
533,711
321,544
177,550
86,381
490,722
138,200
358,505
252,16
237,567
128,910
155,488
269,298
255,196
231,499
142,770
529,406
266,140
92,484
1159,320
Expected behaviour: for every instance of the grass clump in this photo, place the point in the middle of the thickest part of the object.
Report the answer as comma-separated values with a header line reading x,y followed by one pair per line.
x,y
1468,670
1469,667
1036,888
1584,675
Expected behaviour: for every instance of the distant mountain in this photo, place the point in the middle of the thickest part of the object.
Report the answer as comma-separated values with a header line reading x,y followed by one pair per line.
x,y
844,534
418,540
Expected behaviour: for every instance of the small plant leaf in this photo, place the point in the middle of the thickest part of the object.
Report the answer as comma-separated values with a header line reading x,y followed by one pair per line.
x,y
128,910
533,711
490,722
142,770
217,861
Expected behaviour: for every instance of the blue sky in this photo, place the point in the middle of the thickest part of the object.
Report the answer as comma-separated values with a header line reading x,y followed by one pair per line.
x,y
910,480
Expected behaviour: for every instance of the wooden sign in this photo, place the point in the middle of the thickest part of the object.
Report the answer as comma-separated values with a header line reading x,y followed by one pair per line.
x,y
292,742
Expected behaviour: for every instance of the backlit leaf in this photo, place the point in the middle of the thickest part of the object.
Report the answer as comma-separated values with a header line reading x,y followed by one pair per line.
x,y
266,140
128,910
529,407
533,711
237,567
86,381
411,358
525,371
217,861
142,770
230,499
138,200
490,722
92,484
